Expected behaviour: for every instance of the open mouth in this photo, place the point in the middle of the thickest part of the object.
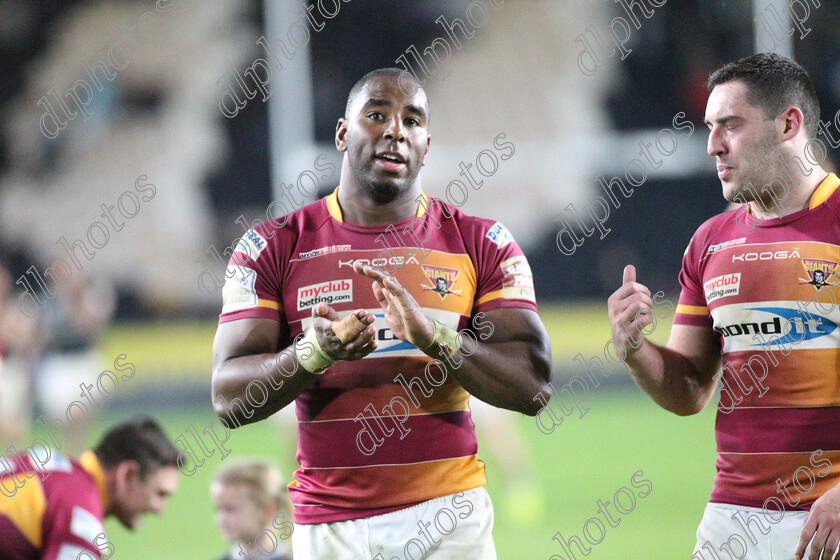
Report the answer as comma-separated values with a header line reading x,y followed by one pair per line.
x,y
391,161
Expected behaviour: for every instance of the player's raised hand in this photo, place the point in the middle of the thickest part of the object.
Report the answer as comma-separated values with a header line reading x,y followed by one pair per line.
x,y
405,318
356,348
629,309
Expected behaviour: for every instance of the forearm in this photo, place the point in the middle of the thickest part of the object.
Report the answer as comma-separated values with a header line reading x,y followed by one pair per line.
x,y
240,385
503,374
670,379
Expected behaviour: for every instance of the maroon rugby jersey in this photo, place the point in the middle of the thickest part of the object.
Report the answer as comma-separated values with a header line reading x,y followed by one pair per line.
x,y
55,514
381,433
778,420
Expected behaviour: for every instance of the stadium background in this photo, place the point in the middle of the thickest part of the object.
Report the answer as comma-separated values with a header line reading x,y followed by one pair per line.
x,y
160,117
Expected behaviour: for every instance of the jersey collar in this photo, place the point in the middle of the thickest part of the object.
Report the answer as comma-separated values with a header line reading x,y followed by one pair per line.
x,y
335,210
91,465
824,190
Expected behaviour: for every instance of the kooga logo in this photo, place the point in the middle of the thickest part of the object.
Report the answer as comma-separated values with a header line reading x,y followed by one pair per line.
x,y
790,325
767,255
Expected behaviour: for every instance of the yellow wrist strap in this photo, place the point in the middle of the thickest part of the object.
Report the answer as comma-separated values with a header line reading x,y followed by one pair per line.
x,y
312,358
446,336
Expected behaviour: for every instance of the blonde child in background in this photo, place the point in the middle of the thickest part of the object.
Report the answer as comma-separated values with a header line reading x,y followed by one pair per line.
x,y
253,510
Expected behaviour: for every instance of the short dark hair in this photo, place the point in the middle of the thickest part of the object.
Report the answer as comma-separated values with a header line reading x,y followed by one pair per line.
x,y
140,439
773,83
373,74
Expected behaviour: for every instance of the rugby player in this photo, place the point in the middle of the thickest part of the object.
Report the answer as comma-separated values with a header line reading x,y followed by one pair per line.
x,y
778,421
385,441
55,511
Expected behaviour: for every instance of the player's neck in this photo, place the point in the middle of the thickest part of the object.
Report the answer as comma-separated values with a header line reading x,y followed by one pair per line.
x,y
797,198
357,207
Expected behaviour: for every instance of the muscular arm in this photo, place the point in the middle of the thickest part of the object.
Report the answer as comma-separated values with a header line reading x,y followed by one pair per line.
x,y
505,369
508,368
248,350
679,377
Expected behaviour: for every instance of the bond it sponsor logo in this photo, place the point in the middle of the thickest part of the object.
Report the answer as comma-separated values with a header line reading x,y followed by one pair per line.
x,y
766,256
335,291
782,324
722,286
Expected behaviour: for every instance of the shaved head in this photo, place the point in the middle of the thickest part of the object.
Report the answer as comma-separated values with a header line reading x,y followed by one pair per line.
x,y
395,73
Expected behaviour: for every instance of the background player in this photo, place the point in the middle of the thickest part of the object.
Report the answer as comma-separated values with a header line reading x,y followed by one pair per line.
x,y
385,442
253,510
783,405
55,511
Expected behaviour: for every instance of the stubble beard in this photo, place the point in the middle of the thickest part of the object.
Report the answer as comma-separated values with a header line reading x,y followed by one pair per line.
x,y
763,168
381,191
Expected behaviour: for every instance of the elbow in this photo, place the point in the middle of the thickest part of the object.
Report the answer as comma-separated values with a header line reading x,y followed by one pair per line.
x,y
218,406
531,408
221,409
687,408
685,411
228,415
531,403
541,374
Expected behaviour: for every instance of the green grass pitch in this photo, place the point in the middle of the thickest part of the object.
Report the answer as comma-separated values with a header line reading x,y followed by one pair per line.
x,y
582,461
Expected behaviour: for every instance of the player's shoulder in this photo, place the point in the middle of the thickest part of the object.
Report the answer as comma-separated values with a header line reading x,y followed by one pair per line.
x,y
719,229
288,227
475,228
69,480
73,497
296,220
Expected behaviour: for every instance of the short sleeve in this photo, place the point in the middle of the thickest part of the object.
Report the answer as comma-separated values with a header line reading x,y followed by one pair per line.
x,y
692,309
251,286
71,531
504,277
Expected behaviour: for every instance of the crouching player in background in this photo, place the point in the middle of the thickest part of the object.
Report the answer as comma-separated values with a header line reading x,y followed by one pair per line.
x,y
54,510
253,510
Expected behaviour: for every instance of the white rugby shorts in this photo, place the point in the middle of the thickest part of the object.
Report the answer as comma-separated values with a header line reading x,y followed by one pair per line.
x,y
455,526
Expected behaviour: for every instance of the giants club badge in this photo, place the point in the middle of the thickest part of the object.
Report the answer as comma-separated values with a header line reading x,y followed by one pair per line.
x,y
819,273
442,280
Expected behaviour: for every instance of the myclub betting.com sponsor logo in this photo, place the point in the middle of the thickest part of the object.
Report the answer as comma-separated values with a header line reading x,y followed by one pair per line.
x,y
722,286
335,291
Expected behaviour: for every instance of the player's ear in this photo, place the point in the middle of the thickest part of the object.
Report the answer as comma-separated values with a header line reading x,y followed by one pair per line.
x,y
340,132
428,142
127,474
792,122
